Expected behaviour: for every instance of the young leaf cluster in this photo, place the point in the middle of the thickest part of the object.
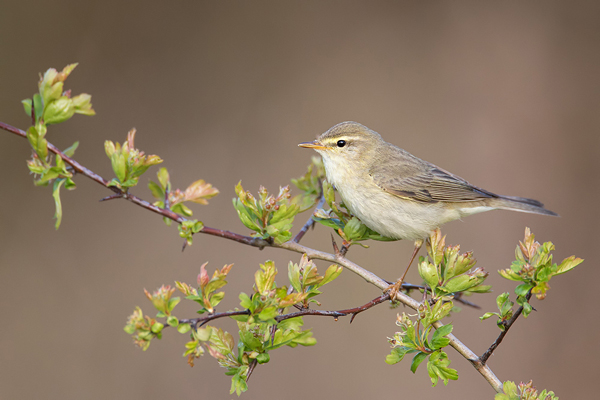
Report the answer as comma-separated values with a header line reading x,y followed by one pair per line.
x,y
306,280
268,216
260,331
206,295
52,105
145,328
525,391
350,229
416,337
534,267
198,192
262,327
128,163
448,272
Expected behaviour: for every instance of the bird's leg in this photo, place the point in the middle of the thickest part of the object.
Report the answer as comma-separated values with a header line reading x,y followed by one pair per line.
x,y
393,289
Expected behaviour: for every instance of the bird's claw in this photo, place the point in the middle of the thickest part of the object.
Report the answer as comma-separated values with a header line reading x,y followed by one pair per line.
x,y
393,289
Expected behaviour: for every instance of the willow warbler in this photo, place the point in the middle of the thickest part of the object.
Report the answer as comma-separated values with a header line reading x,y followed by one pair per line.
x,y
397,194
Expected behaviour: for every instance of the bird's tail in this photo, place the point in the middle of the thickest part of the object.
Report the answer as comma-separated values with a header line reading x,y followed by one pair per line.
x,y
522,204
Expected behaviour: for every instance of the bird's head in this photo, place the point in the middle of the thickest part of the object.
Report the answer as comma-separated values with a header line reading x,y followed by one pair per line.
x,y
347,144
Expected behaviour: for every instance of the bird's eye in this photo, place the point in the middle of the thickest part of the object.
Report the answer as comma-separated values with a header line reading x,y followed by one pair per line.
x,y
341,143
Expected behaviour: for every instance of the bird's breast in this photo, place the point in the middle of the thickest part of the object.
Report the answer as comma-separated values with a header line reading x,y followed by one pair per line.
x,y
385,213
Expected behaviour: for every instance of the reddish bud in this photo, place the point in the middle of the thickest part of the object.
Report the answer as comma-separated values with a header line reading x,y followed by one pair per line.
x,y
203,278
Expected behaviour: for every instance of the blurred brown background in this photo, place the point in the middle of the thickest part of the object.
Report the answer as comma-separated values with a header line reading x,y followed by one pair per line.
x,y
505,94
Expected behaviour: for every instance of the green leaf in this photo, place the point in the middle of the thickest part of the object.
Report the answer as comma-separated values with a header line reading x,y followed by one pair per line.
x,y
163,177
263,358
157,327
56,195
38,106
438,339
27,104
156,190
428,272
37,141
70,151
59,110
460,283
265,277
268,314
332,272
488,315
183,328
216,298
203,334
354,229
245,301
397,354
83,104
522,289
510,392
119,165
172,321
250,340
437,367
417,360
568,264
501,299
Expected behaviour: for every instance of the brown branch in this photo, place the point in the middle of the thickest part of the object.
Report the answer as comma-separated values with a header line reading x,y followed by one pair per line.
x,y
200,321
507,324
461,299
338,258
336,314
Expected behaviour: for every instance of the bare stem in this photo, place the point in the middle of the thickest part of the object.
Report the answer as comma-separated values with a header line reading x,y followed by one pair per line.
x,y
484,357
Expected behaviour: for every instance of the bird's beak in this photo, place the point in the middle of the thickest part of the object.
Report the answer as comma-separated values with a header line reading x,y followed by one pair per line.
x,y
313,145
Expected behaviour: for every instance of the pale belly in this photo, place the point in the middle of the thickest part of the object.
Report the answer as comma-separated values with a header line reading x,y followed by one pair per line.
x,y
394,217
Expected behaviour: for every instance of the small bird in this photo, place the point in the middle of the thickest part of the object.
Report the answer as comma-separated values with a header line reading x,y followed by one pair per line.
x,y
397,194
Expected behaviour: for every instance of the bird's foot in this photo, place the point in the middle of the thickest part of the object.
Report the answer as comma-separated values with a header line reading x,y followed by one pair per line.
x,y
394,288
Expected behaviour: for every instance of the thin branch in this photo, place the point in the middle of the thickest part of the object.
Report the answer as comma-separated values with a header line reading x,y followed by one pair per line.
x,y
336,314
338,258
461,299
484,357
200,321
76,166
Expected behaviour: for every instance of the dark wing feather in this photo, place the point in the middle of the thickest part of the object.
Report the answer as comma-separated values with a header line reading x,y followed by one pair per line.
x,y
412,178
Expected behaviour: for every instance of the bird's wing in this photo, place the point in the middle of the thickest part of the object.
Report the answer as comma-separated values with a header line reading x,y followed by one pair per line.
x,y
425,182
